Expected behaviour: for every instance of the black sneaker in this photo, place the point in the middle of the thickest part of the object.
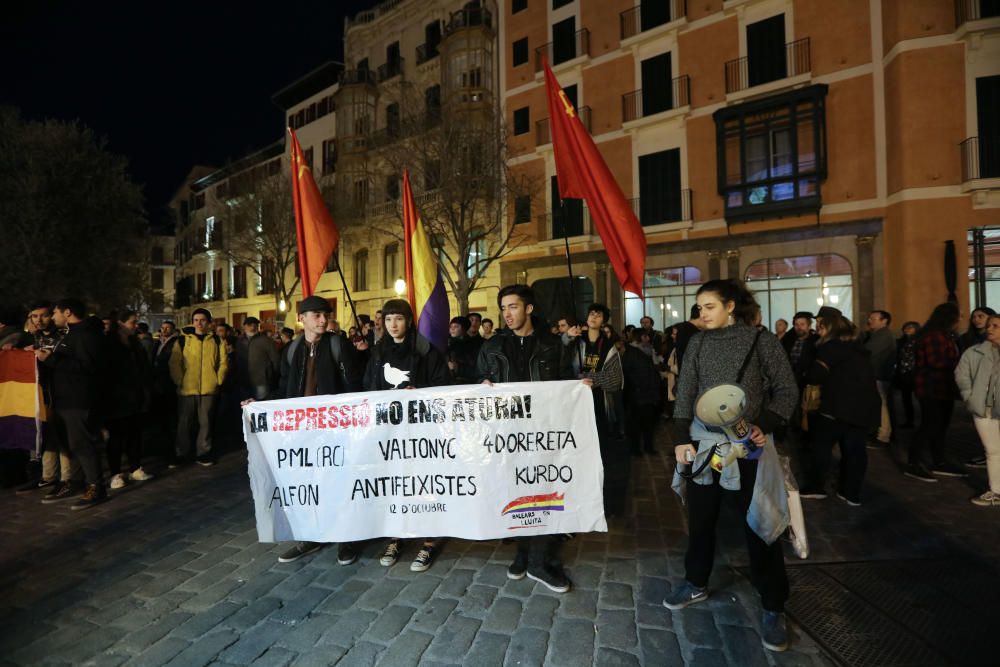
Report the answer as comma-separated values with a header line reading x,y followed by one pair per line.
x,y
684,595
206,461
423,559
34,485
299,550
948,470
773,633
977,462
812,493
551,578
94,495
62,491
346,553
518,568
919,472
852,502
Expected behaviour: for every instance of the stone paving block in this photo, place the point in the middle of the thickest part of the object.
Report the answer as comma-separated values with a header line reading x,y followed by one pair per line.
x,y
652,590
334,577
348,628
381,594
616,628
135,619
433,614
274,657
362,654
580,603
453,639
303,636
159,653
390,623
492,574
504,615
204,650
211,576
659,647
527,647
609,657
656,615
252,643
210,596
742,645
477,600
66,635
616,595
620,570
456,583
709,657
653,564
697,626
301,605
539,611
291,586
572,642
344,598
256,587
206,620
141,639
210,559
488,649
253,613
407,650
323,656
585,575
90,644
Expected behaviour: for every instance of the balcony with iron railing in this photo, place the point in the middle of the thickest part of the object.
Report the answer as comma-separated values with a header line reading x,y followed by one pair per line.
x,y
634,21
574,220
427,52
390,70
470,17
560,52
370,15
543,130
975,10
668,206
657,101
405,128
357,77
747,72
980,159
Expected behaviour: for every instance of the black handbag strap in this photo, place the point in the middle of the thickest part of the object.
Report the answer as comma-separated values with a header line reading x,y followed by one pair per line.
x,y
746,359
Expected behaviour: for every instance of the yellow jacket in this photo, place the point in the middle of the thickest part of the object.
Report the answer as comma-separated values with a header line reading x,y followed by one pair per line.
x,y
198,366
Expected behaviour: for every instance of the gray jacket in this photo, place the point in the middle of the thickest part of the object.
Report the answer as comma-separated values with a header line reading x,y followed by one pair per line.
x,y
973,374
263,361
882,345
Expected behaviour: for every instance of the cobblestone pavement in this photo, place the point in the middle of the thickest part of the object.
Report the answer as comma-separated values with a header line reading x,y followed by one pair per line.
x,y
172,573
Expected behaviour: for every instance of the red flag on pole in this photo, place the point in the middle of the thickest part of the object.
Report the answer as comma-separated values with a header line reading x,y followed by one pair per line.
x,y
315,231
583,174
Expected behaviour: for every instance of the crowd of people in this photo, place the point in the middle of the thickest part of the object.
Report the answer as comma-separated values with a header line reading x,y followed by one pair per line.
x,y
108,384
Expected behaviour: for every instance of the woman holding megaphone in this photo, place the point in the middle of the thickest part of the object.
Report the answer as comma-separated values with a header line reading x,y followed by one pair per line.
x,y
733,451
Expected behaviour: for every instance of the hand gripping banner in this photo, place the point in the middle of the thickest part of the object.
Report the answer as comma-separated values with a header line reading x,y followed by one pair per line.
x,y
475,462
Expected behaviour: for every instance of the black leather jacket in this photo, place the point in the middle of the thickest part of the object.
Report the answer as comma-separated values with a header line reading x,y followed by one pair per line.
x,y
550,360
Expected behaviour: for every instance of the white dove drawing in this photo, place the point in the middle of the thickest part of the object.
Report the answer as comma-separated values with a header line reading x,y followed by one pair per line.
x,y
394,376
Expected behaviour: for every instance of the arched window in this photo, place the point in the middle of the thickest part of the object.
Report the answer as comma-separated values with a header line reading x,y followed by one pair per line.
x,y
784,286
669,297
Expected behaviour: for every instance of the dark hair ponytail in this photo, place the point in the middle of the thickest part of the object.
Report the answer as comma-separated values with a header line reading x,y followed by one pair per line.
x,y
734,290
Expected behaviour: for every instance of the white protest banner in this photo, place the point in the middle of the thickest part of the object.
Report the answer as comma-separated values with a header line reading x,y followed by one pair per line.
x,y
474,461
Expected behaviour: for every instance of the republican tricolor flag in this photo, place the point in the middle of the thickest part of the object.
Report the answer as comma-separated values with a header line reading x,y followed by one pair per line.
x,y
583,174
316,234
424,284
21,407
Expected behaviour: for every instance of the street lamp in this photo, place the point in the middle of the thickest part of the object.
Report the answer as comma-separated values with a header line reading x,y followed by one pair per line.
x,y
400,286
282,306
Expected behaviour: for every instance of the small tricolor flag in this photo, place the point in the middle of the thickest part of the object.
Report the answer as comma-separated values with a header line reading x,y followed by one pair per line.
x,y
424,284
549,501
21,407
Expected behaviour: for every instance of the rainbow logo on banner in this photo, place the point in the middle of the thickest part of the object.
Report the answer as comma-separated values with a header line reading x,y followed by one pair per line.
x,y
20,401
550,501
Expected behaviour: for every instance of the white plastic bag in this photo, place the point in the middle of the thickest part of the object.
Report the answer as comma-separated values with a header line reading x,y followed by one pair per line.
x,y
797,521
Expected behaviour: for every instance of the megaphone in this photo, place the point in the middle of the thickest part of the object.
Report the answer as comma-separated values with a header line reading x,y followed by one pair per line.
x,y
723,406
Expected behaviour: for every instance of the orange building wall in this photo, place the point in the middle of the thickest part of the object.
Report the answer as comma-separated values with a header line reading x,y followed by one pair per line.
x,y
838,32
706,202
925,117
850,136
910,19
533,173
702,56
534,99
533,24
697,9
601,19
603,86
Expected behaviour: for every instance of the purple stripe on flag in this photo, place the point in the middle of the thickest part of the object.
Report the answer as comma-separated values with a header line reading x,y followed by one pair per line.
x,y
19,432
435,317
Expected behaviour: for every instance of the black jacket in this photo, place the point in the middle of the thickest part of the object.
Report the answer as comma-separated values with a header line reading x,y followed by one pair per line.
x,y
685,332
550,360
415,356
848,391
805,362
464,351
162,383
78,368
332,376
642,380
129,377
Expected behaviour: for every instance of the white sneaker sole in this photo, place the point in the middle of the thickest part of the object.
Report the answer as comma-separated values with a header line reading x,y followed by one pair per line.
x,y
777,648
513,576
919,478
551,587
686,603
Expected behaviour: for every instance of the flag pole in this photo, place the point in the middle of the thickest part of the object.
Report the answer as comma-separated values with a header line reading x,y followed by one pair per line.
x,y
347,293
569,269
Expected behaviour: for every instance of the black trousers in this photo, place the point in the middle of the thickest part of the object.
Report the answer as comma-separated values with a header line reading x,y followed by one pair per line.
x,y
928,446
640,424
540,550
124,436
853,455
79,430
767,562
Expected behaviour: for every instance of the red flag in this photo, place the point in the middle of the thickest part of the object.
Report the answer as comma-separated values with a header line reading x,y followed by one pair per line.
x,y
317,235
583,174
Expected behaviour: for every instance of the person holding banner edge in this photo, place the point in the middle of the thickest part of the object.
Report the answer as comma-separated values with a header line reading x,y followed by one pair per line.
x,y
317,363
526,352
403,359
728,348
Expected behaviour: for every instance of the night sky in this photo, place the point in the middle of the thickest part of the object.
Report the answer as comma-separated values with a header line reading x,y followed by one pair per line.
x,y
170,85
